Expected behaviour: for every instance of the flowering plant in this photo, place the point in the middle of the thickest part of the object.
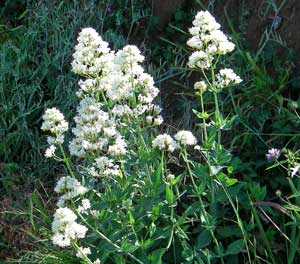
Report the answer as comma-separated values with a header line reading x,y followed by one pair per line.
x,y
131,195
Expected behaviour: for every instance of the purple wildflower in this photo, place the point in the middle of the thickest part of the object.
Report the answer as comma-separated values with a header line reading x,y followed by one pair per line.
x,y
273,154
109,10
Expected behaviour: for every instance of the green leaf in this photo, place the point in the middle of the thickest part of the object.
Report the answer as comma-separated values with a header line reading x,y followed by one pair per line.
x,y
230,182
131,218
169,195
203,239
156,256
155,212
201,115
200,171
176,180
292,207
235,247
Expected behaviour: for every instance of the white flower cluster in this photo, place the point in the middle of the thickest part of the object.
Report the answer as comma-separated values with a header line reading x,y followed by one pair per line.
x,y
167,143
104,167
50,151
54,122
84,207
208,40
65,228
83,252
91,54
200,59
200,86
71,188
126,93
227,77
95,132
119,77
185,138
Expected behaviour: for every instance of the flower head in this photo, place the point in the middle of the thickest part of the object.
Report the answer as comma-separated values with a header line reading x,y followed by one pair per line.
x,y
50,151
185,138
208,41
54,122
165,142
200,86
227,77
273,154
65,228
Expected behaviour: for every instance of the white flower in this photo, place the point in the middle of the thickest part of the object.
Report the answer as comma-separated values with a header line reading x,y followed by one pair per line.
x,y
170,177
200,59
200,86
208,40
119,148
65,228
71,186
121,110
62,200
54,122
60,240
158,120
195,43
85,205
50,151
105,167
205,22
91,53
56,140
227,77
225,47
94,129
185,138
83,252
75,231
294,170
128,56
62,217
165,142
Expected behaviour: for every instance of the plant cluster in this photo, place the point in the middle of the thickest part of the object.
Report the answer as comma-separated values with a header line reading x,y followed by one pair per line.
x,y
126,168
134,188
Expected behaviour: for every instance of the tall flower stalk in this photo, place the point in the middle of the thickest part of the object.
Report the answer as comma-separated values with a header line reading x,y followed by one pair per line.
x,y
120,184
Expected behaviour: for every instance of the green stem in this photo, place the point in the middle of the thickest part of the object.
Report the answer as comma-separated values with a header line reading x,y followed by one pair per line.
x,y
203,120
101,235
66,161
240,222
207,152
86,259
172,232
217,114
185,156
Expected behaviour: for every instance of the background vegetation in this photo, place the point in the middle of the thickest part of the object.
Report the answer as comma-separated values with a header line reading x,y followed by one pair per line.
x,y
37,40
